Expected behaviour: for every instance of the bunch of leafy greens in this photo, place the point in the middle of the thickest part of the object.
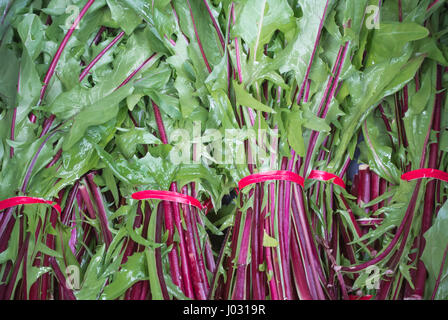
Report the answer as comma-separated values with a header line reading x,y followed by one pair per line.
x,y
100,99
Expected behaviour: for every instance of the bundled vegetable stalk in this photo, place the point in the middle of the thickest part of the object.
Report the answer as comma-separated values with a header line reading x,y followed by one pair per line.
x,y
398,144
259,264
76,139
303,227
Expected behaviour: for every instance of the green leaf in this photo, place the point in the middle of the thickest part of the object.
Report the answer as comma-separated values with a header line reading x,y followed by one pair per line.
x,y
111,184
9,71
294,133
183,82
31,31
204,31
429,46
29,87
155,79
313,122
392,39
95,114
245,99
128,141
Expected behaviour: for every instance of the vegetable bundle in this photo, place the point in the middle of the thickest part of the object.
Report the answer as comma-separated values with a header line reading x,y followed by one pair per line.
x,y
125,125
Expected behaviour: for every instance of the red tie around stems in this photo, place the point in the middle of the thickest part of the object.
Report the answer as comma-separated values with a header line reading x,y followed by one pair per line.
x,y
325,176
16,201
285,176
168,196
425,173
270,175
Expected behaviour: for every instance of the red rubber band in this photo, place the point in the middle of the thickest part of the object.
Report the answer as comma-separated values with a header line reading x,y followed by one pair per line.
x,y
325,176
168,196
270,175
16,201
425,173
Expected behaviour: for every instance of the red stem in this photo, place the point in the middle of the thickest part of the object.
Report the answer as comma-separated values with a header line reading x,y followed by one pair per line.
x,y
232,257
299,273
98,57
158,253
215,24
374,189
219,261
55,159
102,216
196,263
383,190
177,220
257,285
307,243
6,228
89,205
97,38
316,43
50,242
364,186
198,39
33,162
